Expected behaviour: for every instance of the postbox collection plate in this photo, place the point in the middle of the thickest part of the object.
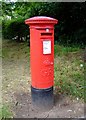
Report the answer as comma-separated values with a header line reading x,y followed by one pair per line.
x,y
47,47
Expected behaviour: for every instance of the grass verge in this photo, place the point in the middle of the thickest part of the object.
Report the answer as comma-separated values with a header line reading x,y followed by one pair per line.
x,y
69,71
5,112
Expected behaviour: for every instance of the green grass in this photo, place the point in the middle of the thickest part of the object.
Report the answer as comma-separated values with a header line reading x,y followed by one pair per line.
x,y
14,50
69,74
5,112
61,50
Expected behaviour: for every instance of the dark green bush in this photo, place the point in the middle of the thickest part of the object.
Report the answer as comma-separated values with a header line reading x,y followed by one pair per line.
x,y
15,29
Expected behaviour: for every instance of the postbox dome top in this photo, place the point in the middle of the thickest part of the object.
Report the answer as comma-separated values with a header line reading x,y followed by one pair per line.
x,y
41,19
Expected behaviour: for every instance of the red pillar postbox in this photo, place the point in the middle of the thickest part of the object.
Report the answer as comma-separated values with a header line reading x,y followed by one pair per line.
x,y
42,60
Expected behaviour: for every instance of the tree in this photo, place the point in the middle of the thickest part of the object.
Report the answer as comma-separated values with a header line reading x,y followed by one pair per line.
x,y
71,17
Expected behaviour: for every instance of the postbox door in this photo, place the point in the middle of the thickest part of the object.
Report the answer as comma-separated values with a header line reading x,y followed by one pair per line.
x,y
42,58
47,59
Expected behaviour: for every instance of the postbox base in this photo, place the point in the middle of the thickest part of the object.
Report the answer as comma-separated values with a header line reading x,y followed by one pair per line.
x,y
42,99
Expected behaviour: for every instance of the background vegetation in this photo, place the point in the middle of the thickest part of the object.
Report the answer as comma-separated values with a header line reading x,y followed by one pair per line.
x,y
71,16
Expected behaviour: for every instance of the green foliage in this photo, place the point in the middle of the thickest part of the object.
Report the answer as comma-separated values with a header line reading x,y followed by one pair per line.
x,y
14,28
72,19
